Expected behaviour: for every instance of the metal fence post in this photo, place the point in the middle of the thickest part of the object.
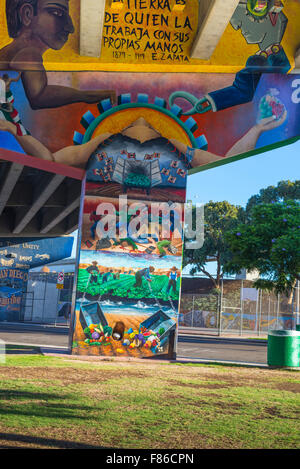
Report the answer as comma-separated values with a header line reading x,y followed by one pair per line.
x,y
242,305
297,302
256,311
220,298
269,311
193,310
277,315
260,293
45,292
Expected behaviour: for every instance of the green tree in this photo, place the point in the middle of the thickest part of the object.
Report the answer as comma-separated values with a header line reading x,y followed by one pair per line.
x,y
219,217
270,243
285,190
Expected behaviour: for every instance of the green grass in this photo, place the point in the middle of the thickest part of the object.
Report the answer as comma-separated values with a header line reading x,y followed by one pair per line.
x,y
59,402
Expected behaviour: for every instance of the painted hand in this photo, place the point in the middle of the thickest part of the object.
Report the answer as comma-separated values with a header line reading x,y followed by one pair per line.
x,y
270,123
6,126
202,106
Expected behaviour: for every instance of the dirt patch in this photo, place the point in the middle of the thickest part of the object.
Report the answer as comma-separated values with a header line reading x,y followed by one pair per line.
x,y
67,375
274,412
287,386
198,385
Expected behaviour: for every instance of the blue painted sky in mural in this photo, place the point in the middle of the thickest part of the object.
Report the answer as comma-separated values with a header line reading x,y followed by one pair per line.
x,y
117,260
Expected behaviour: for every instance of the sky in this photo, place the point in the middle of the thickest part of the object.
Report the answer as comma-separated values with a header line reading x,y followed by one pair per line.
x,y
237,182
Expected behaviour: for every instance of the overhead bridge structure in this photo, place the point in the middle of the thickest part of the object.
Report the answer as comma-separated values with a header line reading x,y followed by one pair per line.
x,y
37,198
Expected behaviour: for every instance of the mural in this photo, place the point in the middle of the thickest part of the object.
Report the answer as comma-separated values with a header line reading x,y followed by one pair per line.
x,y
126,305
148,240
12,286
139,135
19,255
195,141
151,33
128,282
262,23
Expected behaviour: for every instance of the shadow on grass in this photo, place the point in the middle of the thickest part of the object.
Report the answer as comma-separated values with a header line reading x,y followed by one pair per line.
x,y
37,441
8,394
22,350
45,409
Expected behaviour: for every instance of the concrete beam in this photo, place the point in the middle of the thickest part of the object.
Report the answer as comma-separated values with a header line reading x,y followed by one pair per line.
x,y
91,27
214,16
44,191
72,223
10,179
54,217
297,59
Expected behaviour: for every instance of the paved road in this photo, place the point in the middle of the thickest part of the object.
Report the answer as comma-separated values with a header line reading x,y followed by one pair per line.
x,y
223,349
196,347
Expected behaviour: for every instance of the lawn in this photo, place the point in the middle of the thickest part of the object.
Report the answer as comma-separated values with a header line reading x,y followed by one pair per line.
x,y
70,403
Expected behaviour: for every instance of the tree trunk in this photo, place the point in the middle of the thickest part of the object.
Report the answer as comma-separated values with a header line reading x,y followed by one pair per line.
x,y
209,276
290,299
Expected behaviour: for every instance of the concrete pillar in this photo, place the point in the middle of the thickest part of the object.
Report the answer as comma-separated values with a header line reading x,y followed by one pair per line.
x,y
91,27
297,60
214,16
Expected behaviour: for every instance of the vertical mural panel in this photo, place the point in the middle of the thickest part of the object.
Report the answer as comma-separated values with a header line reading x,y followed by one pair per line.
x,y
128,284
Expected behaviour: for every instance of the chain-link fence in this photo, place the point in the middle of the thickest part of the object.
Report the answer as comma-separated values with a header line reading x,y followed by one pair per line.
x,y
238,308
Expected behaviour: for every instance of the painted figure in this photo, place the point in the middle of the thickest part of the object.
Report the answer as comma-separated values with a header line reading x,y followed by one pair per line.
x,y
140,130
106,276
143,273
261,22
93,270
35,27
94,218
173,274
7,109
163,245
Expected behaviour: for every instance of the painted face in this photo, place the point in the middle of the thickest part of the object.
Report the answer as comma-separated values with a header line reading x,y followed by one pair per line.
x,y
260,5
257,8
52,23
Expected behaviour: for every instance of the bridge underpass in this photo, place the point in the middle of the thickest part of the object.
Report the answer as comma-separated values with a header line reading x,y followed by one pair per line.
x,y
37,198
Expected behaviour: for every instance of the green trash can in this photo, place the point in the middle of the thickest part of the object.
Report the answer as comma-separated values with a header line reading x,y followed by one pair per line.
x,y
298,327
284,348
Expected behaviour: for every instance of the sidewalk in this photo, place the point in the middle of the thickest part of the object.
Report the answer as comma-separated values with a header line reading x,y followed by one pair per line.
x,y
182,331
205,332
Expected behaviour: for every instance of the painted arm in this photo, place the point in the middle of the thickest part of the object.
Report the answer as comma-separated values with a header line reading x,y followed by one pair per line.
x,y
248,141
245,144
14,80
41,95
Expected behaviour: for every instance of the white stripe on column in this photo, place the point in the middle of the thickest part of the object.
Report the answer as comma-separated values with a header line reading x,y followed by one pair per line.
x,y
2,91
91,27
214,16
297,59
